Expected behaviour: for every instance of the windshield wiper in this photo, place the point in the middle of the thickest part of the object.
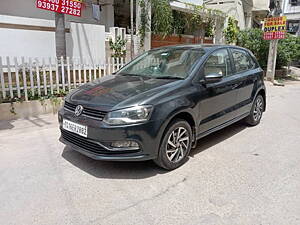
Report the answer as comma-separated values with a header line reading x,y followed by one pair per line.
x,y
134,75
127,74
169,77
147,76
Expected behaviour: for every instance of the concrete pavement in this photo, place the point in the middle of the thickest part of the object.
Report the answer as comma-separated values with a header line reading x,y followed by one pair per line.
x,y
238,176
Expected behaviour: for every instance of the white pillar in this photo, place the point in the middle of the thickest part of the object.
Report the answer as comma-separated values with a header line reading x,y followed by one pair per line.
x,y
248,19
147,39
131,31
219,36
298,32
272,60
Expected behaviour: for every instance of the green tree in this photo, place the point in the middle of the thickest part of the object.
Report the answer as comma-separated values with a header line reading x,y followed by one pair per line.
x,y
288,50
252,40
162,18
231,31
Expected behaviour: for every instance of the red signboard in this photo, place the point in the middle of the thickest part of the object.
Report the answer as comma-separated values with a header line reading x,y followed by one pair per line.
x,y
274,28
70,7
274,35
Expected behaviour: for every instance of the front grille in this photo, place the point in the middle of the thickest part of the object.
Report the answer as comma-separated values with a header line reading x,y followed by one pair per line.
x,y
87,144
96,114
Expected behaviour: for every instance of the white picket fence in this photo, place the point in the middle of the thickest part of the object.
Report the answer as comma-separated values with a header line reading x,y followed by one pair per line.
x,y
28,77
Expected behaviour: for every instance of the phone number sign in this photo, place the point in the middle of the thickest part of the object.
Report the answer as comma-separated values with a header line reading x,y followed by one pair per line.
x,y
70,7
274,28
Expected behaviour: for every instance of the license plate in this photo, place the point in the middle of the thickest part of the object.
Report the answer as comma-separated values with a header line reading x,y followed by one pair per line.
x,y
75,128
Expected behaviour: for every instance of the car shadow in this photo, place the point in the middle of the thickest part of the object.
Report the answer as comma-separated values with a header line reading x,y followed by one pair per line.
x,y
145,169
217,137
6,125
111,170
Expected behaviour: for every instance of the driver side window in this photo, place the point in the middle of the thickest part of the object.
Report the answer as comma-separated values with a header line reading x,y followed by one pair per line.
x,y
218,63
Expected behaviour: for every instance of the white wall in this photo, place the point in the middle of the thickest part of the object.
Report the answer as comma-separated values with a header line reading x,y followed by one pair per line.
x,y
87,41
33,43
232,8
291,12
26,43
27,8
84,40
29,43
260,5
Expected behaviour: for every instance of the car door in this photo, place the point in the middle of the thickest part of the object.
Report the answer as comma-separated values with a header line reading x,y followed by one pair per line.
x,y
247,72
218,100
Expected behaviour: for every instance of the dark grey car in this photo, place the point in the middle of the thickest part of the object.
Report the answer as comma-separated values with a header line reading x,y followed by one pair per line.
x,y
158,106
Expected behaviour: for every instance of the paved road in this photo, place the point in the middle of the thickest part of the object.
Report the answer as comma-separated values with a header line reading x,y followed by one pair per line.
x,y
238,176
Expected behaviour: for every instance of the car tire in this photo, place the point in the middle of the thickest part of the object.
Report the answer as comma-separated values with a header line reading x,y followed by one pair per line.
x,y
256,111
175,145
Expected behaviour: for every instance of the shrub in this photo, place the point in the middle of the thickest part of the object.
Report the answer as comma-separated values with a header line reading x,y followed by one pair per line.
x,y
252,39
288,48
162,17
288,51
118,47
231,31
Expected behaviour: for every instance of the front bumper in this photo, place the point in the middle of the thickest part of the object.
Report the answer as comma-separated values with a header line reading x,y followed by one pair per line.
x,y
147,135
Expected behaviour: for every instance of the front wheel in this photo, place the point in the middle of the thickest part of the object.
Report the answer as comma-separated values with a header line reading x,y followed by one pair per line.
x,y
175,145
256,111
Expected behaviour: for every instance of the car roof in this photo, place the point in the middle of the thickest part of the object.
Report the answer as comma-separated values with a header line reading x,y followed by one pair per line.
x,y
207,47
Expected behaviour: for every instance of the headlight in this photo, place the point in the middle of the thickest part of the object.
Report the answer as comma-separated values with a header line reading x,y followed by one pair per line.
x,y
131,115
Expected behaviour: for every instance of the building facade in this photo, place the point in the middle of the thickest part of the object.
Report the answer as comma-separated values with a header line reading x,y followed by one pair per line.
x,y
28,31
291,9
248,13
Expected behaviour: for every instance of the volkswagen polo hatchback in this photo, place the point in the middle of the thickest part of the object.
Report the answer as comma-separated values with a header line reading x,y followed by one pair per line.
x,y
157,106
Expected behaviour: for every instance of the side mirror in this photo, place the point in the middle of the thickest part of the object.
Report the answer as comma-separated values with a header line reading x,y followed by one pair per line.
x,y
213,78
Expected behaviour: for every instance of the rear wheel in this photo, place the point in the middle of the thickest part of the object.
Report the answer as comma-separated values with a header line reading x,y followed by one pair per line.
x,y
175,145
256,111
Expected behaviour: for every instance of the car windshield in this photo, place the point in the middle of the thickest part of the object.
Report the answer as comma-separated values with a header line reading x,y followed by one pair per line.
x,y
168,63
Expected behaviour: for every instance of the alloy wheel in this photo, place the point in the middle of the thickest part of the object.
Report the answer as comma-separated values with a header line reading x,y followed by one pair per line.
x,y
177,145
258,109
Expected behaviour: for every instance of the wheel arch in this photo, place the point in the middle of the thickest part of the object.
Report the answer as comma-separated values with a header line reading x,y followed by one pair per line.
x,y
184,115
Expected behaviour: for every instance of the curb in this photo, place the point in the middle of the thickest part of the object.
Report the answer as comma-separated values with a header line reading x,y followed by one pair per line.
x,y
17,110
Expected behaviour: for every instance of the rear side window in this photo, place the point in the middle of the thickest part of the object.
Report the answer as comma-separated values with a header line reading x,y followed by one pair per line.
x,y
218,63
242,60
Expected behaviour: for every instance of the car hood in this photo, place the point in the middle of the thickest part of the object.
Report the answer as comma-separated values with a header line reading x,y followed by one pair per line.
x,y
114,91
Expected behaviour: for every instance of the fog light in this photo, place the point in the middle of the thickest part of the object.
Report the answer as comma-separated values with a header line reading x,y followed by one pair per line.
x,y
125,144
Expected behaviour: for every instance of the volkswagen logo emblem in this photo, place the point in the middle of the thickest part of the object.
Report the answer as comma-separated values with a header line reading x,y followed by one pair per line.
x,y
78,110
